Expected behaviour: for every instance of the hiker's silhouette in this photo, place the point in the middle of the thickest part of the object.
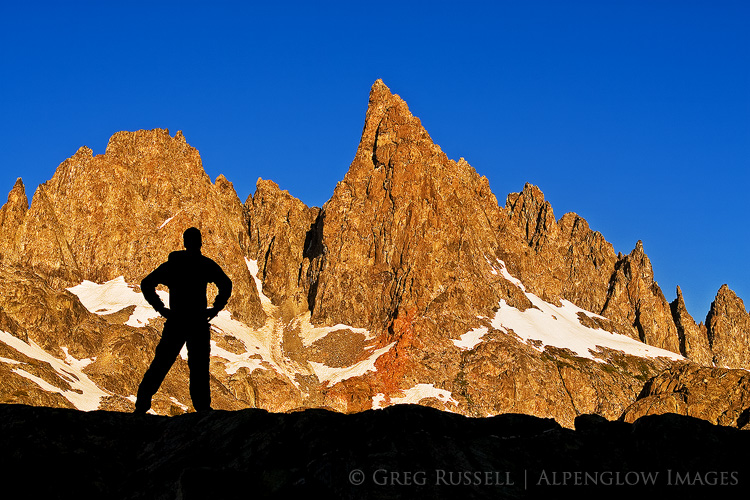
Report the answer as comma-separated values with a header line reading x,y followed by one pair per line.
x,y
187,274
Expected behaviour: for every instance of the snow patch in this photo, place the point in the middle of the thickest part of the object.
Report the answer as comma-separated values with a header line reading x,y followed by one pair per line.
x,y
505,274
332,376
252,340
90,394
175,401
252,266
310,334
234,362
167,221
10,361
377,401
472,338
115,295
558,326
79,364
414,395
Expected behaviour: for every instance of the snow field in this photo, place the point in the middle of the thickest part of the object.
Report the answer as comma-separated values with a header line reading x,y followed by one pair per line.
x,y
71,371
557,326
414,395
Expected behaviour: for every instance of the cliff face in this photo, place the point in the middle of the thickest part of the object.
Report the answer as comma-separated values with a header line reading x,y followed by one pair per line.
x,y
719,395
729,330
410,285
693,337
122,213
281,231
637,300
566,259
406,231
560,259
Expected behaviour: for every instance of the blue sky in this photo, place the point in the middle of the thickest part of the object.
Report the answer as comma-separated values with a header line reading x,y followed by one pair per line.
x,y
633,114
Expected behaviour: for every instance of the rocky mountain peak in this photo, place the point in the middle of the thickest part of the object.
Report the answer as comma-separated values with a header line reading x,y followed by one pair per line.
x,y
693,337
728,326
401,226
142,194
13,211
635,299
410,285
11,217
140,144
17,195
279,226
388,122
638,255
535,215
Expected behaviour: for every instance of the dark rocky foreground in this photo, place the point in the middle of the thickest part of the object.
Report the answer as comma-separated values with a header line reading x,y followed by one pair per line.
x,y
403,451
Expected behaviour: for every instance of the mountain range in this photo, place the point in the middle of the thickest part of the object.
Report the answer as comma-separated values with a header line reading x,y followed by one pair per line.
x,y
411,284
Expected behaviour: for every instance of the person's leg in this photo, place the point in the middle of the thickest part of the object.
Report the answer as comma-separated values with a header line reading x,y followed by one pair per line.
x,y
166,352
199,352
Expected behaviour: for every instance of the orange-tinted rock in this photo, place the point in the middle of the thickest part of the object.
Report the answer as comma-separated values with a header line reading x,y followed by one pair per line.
x,y
693,337
719,395
562,259
123,212
635,299
279,225
11,217
728,326
407,228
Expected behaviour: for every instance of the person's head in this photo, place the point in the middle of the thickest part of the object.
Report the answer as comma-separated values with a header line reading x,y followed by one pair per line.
x,y
191,238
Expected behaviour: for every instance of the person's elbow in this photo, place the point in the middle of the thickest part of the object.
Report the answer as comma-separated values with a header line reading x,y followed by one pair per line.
x,y
227,286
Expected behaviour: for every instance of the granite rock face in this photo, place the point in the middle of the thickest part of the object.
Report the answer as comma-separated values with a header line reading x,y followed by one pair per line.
x,y
11,217
565,259
719,395
560,259
636,299
122,213
693,337
729,330
280,228
406,231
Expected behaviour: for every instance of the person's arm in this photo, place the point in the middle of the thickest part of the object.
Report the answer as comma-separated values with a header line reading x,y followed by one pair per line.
x,y
148,288
224,284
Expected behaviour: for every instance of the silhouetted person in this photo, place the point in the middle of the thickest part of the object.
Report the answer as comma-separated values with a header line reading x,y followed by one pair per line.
x,y
187,274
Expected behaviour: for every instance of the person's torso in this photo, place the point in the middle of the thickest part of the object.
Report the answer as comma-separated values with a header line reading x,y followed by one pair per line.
x,y
188,278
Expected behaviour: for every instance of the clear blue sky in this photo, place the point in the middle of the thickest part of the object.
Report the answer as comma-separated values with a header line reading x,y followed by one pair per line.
x,y
634,114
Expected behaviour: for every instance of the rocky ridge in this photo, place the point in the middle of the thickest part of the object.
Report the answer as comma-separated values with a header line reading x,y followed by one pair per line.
x,y
411,284
142,194
728,325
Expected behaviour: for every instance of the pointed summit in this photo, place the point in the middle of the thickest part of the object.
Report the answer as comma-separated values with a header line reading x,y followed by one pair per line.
x,y
535,215
11,217
693,338
405,219
17,196
636,299
142,193
388,122
728,326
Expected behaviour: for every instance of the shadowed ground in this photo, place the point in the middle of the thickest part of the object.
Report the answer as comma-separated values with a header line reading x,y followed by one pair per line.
x,y
401,451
